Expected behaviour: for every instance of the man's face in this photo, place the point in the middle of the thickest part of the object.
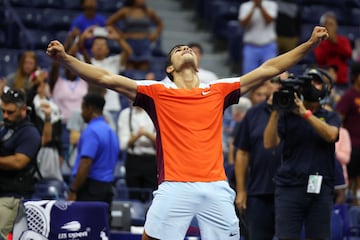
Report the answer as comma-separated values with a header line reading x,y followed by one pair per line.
x,y
12,114
100,48
331,25
259,94
183,56
85,112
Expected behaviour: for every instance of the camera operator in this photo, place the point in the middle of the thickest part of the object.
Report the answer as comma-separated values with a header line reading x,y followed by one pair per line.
x,y
304,183
19,144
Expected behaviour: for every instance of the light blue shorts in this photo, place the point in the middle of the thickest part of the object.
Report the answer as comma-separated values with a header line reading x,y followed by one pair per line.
x,y
176,203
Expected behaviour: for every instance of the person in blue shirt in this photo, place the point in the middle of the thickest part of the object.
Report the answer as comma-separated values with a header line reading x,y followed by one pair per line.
x,y
98,152
255,168
89,16
304,182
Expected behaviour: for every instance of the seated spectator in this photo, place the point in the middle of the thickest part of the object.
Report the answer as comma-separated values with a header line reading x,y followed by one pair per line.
x,y
138,26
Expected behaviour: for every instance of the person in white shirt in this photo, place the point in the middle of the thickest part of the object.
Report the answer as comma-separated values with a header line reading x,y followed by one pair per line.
x,y
257,17
102,57
136,134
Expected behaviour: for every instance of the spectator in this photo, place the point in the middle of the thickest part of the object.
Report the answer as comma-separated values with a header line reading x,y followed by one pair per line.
x,y
288,24
141,27
27,65
342,153
304,182
349,109
75,125
335,51
67,90
238,112
47,118
256,95
89,17
136,134
102,57
258,17
188,122
255,168
20,142
98,151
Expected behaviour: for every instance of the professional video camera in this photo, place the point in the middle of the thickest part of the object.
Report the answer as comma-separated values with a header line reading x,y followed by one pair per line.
x,y
303,87
284,98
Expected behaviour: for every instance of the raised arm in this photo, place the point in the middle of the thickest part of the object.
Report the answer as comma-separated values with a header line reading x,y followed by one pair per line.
x,y
279,64
91,73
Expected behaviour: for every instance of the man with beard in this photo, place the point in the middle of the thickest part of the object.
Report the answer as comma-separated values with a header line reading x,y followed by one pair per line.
x,y
19,144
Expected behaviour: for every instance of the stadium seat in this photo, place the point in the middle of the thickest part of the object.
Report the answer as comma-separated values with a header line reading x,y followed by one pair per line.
x,y
8,61
21,3
120,170
36,39
234,35
120,215
50,189
220,19
354,19
56,20
30,17
109,6
47,3
312,13
2,39
121,190
138,213
71,4
354,221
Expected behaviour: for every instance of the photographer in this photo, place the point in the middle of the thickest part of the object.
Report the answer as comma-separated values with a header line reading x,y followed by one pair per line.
x,y
20,141
304,183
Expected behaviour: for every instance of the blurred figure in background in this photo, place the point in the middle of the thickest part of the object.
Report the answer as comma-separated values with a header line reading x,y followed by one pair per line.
x,y
98,152
349,109
258,17
89,16
255,168
334,51
141,27
26,67
288,24
137,137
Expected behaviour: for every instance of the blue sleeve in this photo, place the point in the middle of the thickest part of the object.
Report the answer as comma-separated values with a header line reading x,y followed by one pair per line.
x,y
89,144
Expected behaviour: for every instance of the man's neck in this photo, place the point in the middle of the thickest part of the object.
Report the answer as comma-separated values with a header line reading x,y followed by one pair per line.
x,y
187,79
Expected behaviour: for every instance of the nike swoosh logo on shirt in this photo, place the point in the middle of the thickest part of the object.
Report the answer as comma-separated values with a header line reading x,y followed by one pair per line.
x,y
205,92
